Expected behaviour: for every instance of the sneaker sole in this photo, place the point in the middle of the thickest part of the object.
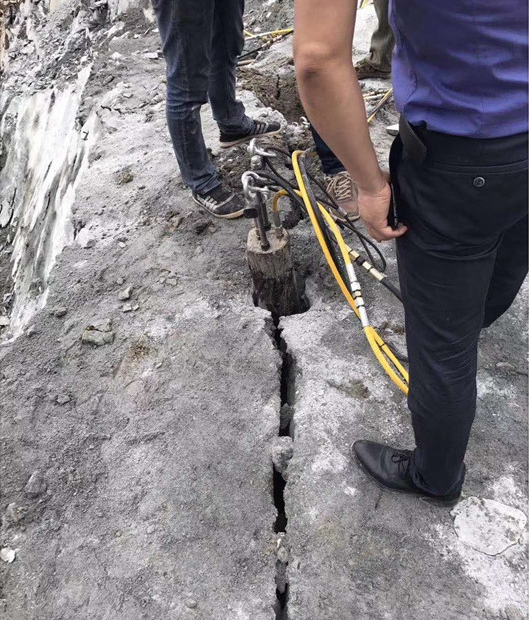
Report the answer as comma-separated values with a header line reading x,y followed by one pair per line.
x,y
227,145
377,76
228,216
440,503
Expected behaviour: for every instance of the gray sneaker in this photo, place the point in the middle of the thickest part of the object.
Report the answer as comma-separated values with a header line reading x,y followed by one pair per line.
x,y
342,189
220,203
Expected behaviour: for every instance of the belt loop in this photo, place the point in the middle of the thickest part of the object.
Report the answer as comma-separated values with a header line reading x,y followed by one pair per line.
x,y
414,147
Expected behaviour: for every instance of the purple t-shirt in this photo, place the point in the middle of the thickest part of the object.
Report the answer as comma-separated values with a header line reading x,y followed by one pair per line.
x,y
460,66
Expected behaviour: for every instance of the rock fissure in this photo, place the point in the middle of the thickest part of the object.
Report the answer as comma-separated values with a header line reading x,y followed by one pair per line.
x,y
281,456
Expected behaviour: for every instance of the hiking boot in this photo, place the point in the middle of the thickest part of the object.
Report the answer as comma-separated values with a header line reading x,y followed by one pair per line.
x,y
391,470
258,129
366,70
220,203
343,190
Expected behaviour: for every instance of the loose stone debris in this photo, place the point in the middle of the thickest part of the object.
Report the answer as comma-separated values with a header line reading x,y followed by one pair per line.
x,y
125,294
7,555
36,485
98,334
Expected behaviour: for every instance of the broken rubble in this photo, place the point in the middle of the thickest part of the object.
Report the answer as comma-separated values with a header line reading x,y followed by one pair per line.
x,y
13,515
98,333
36,485
97,338
85,239
7,555
282,452
63,399
59,311
125,294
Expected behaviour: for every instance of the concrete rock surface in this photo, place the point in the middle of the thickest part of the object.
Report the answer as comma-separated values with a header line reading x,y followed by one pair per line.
x,y
158,448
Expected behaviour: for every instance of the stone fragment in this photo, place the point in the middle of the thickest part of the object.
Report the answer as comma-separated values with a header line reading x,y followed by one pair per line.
x,y
13,515
97,338
282,452
101,326
124,177
62,399
98,333
191,603
125,294
4,321
31,331
127,308
85,239
202,225
287,411
36,485
7,555
59,311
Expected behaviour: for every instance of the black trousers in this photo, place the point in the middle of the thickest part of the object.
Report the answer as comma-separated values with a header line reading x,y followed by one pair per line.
x,y
461,264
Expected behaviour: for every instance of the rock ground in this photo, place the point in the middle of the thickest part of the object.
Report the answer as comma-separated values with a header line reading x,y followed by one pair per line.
x,y
137,467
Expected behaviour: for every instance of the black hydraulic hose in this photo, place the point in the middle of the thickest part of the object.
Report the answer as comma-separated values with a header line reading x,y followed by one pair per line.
x,y
321,222
367,243
279,181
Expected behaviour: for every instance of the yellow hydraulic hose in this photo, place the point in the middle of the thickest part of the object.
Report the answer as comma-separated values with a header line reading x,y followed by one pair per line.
x,y
271,33
386,96
383,353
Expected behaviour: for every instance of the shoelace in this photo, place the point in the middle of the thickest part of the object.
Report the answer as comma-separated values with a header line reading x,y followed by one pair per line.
x,y
401,459
341,187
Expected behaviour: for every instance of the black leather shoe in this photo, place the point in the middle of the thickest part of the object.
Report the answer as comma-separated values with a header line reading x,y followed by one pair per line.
x,y
391,470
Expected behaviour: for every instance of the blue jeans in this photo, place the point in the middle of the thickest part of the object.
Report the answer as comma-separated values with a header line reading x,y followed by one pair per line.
x,y
201,41
330,164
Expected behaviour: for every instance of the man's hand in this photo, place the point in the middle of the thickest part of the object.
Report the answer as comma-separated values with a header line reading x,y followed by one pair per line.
x,y
374,207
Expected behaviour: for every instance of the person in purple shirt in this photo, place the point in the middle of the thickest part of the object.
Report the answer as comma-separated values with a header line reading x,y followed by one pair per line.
x,y
459,173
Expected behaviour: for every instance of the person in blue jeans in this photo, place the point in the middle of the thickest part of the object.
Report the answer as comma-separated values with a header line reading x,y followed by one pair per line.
x,y
459,171
201,42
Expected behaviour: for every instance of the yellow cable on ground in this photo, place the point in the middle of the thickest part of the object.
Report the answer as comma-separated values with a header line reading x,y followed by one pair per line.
x,y
380,104
271,33
381,350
